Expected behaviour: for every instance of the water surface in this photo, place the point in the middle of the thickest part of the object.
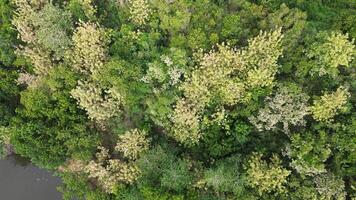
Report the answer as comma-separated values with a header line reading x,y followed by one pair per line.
x,y
20,180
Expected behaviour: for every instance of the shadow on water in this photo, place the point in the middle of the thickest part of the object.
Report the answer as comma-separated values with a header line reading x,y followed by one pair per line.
x,y
20,180
18,160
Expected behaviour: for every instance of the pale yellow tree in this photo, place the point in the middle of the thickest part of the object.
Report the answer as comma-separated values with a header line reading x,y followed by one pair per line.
x,y
139,11
226,75
89,52
266,177
132,143
334,50
325,108
109,172
101,104
22,20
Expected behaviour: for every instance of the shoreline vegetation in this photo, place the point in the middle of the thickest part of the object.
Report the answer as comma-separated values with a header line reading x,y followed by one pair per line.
x,y
182,99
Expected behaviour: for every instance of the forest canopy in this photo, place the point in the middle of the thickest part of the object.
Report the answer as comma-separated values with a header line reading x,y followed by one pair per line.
x,y
183,99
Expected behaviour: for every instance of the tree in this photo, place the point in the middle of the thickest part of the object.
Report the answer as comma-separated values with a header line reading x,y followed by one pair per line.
x,y
110,172
330,186
266,177
139,11
52,27
7,34
286,108
329,52
82,9
330,104
215,81
309,152
89,51
182,99
100,104
45,29
132,144
48,127
177,176
224,177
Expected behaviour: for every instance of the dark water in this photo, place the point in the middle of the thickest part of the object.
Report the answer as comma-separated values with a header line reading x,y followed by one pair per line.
x,y
20,180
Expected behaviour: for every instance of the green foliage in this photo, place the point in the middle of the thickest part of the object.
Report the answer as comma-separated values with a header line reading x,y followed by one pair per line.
x,y
49,127
302,189
152,194
344,142
308,152
178,96
174,16
75,186
83,9
225,177
231,28
8,95
152,165
7,34
177,176
52,26
4,141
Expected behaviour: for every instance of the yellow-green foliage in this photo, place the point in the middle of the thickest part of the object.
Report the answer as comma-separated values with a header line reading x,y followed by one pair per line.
x,y
110,172
334,51
22,20
212,78
185,123
4,140
39,58
330,104
98,172
123,172
266,177
224,75
101,104
102,155
139,11
132,144
88,54
73,166
263,52
88,8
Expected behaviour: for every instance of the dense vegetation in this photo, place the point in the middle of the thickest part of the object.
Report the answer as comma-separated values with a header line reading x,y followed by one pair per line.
x,y
183,99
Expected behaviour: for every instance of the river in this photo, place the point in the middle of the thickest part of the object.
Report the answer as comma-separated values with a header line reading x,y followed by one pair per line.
x,y
20,180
